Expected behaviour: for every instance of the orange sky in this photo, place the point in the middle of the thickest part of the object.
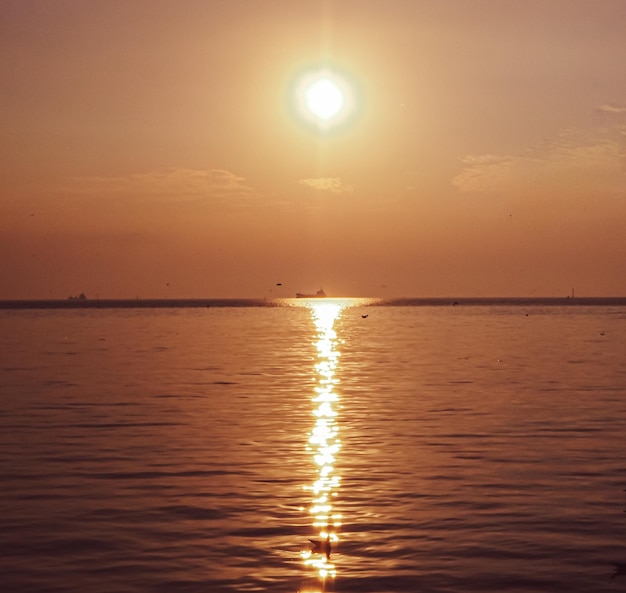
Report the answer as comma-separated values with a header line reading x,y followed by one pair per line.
x,y
153,148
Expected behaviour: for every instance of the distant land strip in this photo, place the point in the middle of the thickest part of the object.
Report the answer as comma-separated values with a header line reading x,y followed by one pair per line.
x,y
260,302
132,303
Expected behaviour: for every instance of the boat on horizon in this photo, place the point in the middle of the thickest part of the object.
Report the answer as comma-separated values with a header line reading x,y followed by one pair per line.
x,y
320,294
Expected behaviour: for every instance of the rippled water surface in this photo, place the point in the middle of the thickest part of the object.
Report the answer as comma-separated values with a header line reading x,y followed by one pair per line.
x,y
430,449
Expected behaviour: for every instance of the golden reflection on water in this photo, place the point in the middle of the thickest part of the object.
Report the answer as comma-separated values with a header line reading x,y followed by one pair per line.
x,y
324,443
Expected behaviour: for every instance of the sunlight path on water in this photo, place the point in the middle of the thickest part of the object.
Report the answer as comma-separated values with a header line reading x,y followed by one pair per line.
x,y
324,445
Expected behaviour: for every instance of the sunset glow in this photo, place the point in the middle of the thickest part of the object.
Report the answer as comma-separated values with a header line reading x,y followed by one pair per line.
x,y
400,149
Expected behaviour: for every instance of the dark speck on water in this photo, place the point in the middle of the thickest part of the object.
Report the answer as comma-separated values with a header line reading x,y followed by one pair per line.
x,y
199,448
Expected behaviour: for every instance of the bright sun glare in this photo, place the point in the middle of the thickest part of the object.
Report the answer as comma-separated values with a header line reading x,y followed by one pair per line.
x,y
324,98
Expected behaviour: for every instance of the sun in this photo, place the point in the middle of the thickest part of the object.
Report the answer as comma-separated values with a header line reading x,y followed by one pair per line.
x,y
324,98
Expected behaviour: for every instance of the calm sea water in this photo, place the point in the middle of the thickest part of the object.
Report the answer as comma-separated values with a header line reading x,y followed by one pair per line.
x,y
442,449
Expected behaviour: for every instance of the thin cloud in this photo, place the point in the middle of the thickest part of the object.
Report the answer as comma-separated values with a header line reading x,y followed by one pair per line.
x,y
327,184
171,183
571,161
484,173
613,108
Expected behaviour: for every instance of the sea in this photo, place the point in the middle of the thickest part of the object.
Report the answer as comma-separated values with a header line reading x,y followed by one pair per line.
x,y
310,445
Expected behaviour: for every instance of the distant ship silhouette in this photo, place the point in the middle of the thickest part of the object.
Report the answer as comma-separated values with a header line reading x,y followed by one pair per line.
x,y
320,294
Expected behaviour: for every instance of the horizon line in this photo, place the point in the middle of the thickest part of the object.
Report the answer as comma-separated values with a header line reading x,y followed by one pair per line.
x,y
190,302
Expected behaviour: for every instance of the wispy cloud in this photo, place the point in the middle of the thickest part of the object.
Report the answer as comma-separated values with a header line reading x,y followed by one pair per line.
x,y
327,184
612,108
174,183
572,161
483,173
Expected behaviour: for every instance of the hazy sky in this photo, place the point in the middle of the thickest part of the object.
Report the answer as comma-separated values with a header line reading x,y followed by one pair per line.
x,y
155,148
